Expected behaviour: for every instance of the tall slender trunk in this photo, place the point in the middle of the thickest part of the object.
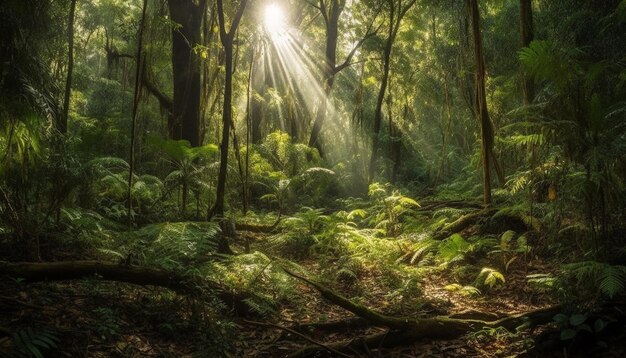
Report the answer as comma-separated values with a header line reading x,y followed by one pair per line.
x,y
378,114
186,69
527,36
226,120
133,134
487,136
70,69
397,10
248,135
446,132
332,33
227,38
259,81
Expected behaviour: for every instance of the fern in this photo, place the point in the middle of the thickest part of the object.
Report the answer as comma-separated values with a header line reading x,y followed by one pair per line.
x,y
463,290
169,245
453,249
608,279
30,343
490,277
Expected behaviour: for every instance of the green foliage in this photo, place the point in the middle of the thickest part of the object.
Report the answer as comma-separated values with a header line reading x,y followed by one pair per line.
x,y
490,277
391,208
593,276
453,249
572,325
191,171
29,342
106,325
469,291
510,248
173,245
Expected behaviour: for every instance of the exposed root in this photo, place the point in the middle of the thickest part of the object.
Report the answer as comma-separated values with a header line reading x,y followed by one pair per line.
x,y
408,329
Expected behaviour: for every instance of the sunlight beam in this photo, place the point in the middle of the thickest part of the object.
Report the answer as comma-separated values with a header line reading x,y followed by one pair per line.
x,y
274,20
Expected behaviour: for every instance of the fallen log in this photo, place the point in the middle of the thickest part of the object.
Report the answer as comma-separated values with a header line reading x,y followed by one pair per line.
x,y
408,329
463,223
137,275
456,204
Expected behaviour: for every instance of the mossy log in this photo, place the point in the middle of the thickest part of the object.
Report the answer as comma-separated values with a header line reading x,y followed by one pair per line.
x,y
463,223
403,330
455,204
137,275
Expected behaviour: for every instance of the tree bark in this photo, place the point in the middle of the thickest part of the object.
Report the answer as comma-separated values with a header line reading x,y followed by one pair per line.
x,y
396,13
331,12
133,131
487,136
185,122
331,19
527,36
227,37
74,270
378,113
70,69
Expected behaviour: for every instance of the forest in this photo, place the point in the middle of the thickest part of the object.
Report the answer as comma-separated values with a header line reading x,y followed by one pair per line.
x,y
312,178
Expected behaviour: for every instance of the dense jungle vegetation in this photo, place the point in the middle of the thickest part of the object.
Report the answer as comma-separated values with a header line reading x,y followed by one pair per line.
x,y
312,178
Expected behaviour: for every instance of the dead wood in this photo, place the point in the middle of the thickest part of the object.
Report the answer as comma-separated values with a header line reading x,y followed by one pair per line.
x,y
463,223
455,204
409,329
142,276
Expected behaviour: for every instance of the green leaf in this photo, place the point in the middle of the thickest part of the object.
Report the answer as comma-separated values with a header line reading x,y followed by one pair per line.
x,y
568,334
560,318
599,325
577,319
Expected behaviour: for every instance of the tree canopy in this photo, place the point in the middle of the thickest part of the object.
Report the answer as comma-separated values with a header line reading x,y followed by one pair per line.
x,y
329,169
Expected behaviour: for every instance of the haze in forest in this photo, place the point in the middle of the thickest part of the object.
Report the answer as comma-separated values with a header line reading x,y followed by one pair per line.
x,y
312,178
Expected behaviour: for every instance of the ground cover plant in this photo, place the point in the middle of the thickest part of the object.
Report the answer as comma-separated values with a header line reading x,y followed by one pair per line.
x,y
320,178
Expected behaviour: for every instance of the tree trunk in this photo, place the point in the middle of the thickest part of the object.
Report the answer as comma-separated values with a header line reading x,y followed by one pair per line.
x,y
378,113
527,36
226,120
70,68
185,122
227,37
259,81
397,10
139,63
332,32
487,136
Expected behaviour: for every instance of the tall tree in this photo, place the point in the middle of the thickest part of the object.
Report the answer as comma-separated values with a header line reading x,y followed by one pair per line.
x,y
227,37
486,127
185,120
396,9
137,95
527,36
331,11
62,127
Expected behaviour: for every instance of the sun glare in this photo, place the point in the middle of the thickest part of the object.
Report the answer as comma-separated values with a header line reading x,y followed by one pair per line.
x,y
274,20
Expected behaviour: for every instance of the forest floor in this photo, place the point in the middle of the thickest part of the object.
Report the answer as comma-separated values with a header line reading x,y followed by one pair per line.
x,y
95,319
